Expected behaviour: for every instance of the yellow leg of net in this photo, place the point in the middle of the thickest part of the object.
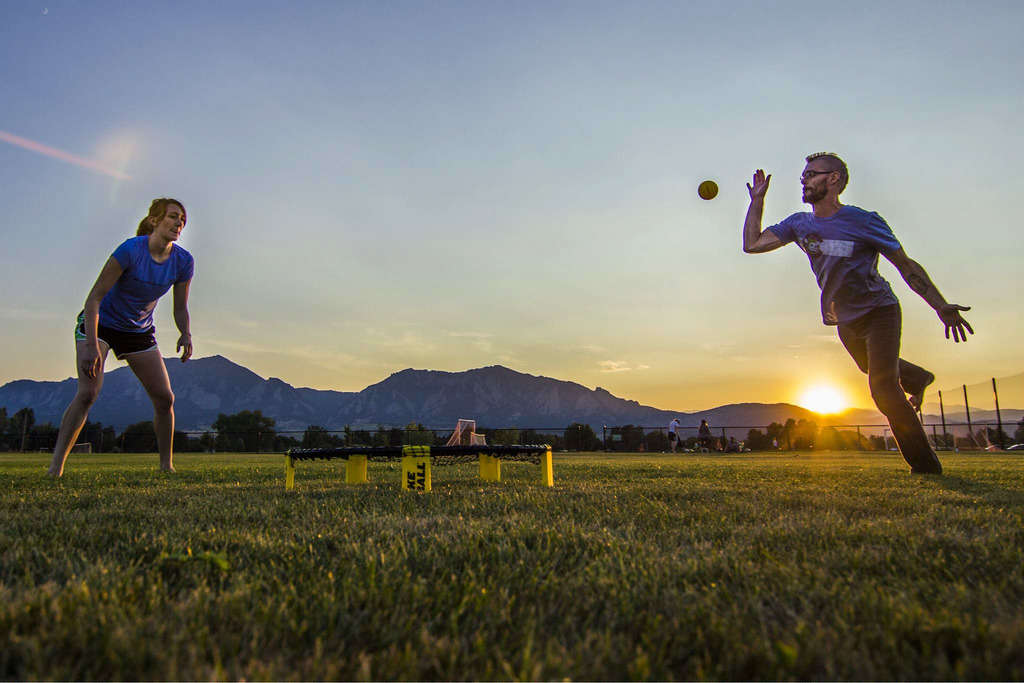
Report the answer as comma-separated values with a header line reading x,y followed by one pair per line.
x,y
416,468
490,468
547,470
355,470
289,473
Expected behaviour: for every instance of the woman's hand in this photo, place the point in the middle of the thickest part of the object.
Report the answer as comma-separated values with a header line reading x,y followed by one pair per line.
x,y
185,342
89,360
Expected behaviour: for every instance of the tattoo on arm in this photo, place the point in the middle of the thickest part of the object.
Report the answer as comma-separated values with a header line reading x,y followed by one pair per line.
x,y
918,283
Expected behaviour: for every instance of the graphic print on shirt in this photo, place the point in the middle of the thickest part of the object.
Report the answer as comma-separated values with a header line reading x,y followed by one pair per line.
x,y
813,245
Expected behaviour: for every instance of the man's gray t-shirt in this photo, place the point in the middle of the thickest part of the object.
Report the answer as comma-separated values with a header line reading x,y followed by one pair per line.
x,y
843,250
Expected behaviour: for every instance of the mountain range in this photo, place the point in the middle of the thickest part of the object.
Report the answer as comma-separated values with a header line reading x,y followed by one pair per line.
x,y
494,396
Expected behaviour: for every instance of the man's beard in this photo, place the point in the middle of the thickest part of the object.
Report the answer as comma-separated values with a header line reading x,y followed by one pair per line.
x,y
812,196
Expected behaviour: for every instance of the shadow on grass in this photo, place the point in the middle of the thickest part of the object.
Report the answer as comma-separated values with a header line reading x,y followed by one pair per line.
x,y
979,489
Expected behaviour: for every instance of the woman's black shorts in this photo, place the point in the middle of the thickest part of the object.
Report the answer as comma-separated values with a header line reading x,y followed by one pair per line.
x,y
121,343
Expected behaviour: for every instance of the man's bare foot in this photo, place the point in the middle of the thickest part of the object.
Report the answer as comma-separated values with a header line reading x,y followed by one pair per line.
x,y
54,475
917,400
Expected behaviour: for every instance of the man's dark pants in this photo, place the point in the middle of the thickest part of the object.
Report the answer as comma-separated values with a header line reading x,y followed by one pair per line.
x,y
874,342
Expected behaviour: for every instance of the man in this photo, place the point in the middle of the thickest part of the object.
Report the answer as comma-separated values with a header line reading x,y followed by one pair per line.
x,y
843,243
673,434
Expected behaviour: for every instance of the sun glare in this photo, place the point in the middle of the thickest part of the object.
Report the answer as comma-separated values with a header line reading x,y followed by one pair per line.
x,y
822,399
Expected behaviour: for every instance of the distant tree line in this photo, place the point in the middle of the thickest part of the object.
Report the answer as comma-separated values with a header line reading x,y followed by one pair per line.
x,y
253,432
793,434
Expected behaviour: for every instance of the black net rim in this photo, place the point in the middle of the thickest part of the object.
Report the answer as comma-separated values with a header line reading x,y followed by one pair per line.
x,y
442,455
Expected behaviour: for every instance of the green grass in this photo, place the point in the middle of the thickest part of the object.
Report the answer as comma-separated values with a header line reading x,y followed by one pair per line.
x,y
824,566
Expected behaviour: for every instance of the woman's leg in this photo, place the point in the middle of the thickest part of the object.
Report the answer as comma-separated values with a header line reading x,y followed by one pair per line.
x,y
78,410
149,367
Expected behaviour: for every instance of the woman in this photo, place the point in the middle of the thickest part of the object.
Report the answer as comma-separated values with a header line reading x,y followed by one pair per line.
x,y
704,434
118,315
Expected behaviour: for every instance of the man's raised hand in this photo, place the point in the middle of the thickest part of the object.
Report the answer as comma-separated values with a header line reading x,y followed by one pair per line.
x,y
760,184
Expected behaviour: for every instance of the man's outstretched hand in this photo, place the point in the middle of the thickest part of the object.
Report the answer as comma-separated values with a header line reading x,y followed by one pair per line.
x,y
950,316
760,184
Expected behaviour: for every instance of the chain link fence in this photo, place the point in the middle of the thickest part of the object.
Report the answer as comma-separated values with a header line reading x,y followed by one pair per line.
x,y
978,436
981,415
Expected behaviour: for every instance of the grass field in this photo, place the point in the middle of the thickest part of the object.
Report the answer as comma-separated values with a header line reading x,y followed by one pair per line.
x,y
823,566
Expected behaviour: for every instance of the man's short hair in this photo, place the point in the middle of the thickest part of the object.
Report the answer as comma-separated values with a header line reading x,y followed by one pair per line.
x,y
834,163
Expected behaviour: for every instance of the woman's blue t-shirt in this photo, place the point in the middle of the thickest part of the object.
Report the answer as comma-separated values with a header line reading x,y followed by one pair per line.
x,y
843,250
130,303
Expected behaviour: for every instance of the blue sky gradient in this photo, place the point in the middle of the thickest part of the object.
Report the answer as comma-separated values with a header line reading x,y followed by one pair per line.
x,y
379,185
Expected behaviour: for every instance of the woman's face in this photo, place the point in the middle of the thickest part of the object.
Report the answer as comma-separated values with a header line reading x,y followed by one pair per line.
x,y
170,226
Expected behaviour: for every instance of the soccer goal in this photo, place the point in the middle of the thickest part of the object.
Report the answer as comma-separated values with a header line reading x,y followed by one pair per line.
x,y
465,435
84,447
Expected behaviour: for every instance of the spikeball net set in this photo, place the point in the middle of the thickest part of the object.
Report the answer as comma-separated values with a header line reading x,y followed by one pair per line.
x,y
464,446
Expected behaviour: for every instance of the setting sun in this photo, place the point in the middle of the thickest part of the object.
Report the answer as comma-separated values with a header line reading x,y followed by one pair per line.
x,y
822,399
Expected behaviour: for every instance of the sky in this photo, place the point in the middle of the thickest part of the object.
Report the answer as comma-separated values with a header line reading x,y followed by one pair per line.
x,y
374,186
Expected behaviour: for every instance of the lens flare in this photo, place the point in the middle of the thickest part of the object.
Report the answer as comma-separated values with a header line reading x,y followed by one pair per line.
x,y
55,153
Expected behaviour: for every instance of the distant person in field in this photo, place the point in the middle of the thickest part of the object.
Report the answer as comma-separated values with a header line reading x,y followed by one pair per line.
x,y
118,315
704,435
673,434
842,243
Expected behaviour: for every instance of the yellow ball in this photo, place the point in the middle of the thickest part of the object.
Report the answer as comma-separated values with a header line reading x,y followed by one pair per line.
x,y
708,189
